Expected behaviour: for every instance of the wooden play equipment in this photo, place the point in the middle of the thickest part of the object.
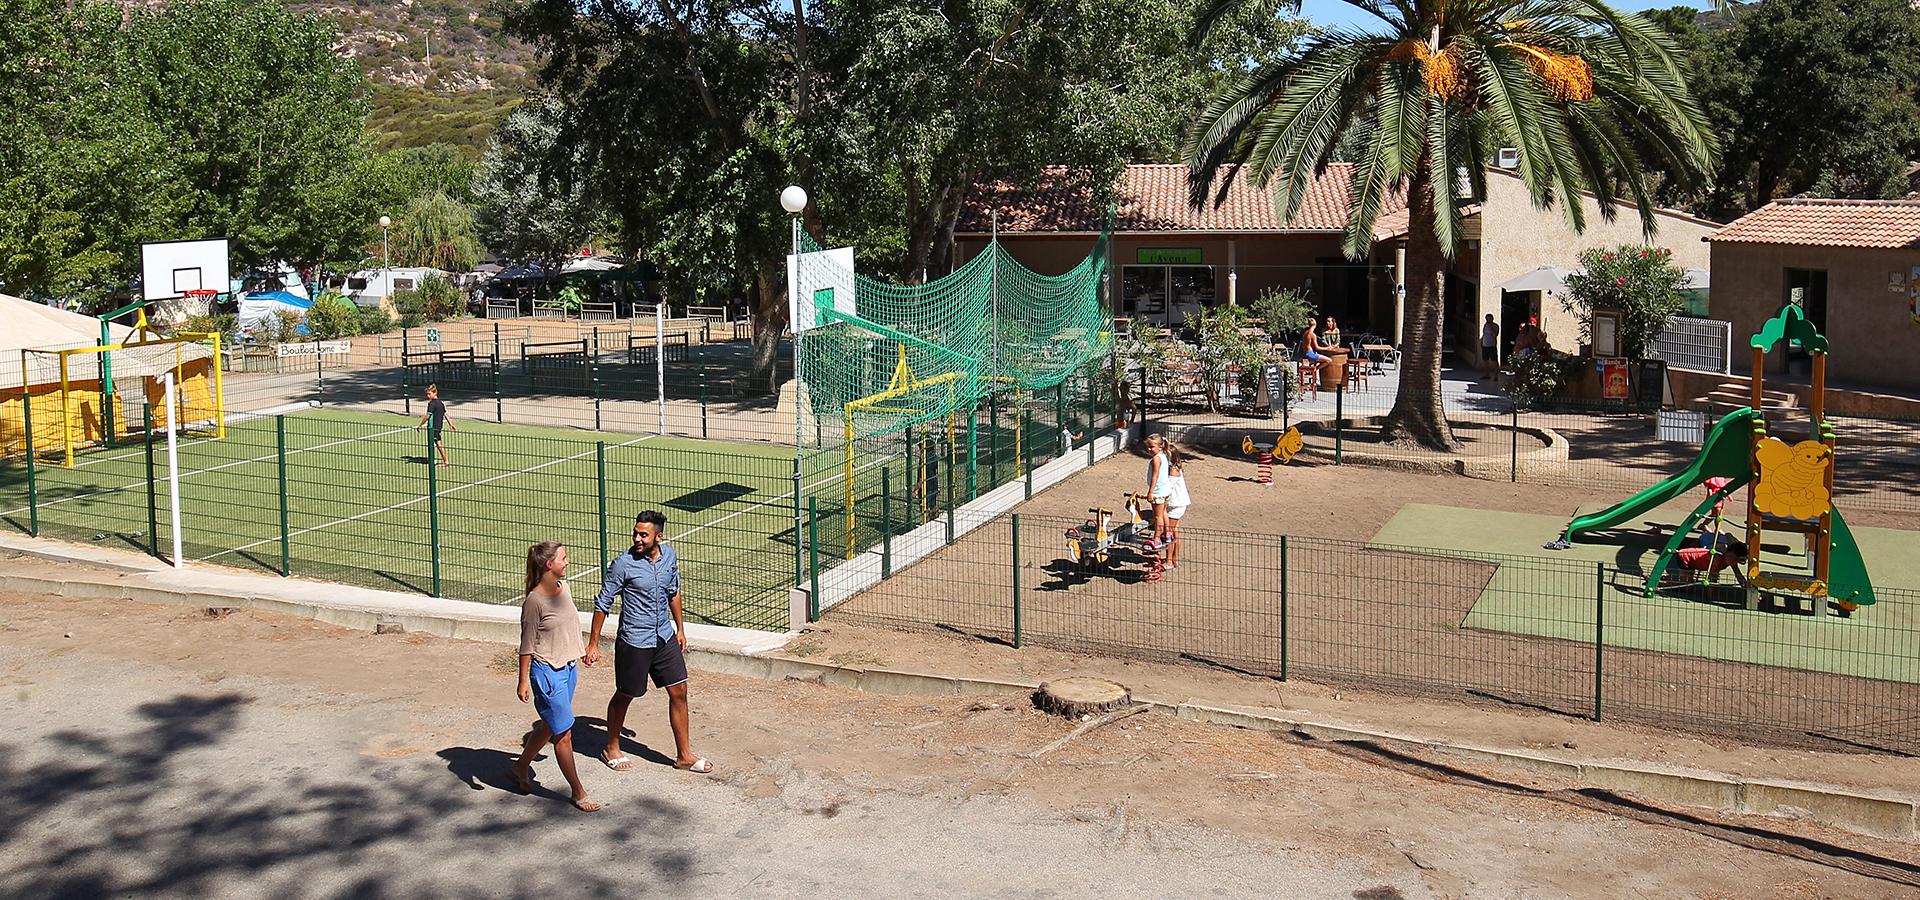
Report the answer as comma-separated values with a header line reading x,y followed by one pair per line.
x,y
1091,544
1284,447
1790,488
86,407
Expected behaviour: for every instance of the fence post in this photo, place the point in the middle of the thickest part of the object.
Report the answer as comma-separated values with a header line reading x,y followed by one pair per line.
x,y
1513,473
593,371
1339,418
286,535
949,486
993,441
600,490
33,487
319,376
1060,405
433,510
499,401
813,559
1283,607
1026,444
1016,581
1599,632
799,566
703,400
153,514
886,523
1093,399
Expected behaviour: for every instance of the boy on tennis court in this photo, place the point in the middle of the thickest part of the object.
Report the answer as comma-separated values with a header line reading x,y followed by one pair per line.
x,y
434,420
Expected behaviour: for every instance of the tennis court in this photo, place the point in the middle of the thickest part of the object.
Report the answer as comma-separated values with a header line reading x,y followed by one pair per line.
x,y
349,496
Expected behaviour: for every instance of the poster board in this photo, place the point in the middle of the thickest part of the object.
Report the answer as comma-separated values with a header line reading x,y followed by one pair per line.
x,y
1614,384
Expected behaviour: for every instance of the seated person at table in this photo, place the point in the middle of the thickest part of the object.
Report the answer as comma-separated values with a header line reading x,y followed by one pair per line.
x,y
1331,334
1317,353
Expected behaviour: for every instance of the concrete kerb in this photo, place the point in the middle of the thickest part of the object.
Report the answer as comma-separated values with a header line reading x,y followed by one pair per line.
x,y
746,653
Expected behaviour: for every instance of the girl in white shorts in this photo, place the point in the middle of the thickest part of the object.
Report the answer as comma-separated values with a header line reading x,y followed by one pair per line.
x,y
1177,502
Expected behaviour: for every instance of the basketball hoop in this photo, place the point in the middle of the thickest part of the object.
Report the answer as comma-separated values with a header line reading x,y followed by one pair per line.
x,y
201,294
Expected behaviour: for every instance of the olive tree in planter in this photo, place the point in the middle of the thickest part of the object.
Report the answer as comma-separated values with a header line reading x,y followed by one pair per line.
x,y
1225,348
1284,313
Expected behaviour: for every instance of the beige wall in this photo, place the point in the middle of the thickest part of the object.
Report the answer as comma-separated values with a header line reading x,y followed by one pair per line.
x,y
1517,238
1873,341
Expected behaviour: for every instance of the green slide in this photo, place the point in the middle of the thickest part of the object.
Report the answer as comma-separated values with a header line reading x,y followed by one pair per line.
x,y
1722,455
1846,571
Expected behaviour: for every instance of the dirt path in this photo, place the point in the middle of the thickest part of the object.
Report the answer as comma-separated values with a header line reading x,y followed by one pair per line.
x,y
159,751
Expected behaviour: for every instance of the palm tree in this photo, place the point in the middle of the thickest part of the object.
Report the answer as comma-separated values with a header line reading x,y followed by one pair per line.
x,y
1586,93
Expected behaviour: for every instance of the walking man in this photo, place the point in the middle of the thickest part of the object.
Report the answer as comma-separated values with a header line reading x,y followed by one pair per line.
x,y
650,642
434,420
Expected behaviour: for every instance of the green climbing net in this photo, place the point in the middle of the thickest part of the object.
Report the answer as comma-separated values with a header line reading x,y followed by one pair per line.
x,y
920,353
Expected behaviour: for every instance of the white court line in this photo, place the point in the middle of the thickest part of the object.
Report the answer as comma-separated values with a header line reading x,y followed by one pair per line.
x,y
740,512
374,512
225,465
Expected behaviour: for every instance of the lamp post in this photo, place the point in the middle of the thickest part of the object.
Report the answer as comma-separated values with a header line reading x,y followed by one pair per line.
x,y
793,199
386,276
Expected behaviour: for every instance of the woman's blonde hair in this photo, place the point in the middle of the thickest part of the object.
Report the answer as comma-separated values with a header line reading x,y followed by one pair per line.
x,y
539,557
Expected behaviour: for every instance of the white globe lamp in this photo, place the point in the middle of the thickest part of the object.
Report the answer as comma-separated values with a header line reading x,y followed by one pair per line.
x,y
385,222
793,199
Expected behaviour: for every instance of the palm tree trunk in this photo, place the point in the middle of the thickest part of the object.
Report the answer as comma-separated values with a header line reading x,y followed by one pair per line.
x,y
1419,416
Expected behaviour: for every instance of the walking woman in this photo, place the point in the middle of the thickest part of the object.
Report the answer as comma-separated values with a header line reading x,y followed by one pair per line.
x,y
549,648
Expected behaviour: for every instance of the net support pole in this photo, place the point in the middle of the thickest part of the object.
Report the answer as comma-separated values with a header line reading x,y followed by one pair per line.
x,y
66,413
219,392
847,443
433,511
153,514
593,372
1599,623
280,459
813,559
1026,452
106,385
660,358
973,450
1283,607
406,381
799,567
1092,413
499,402
33,487
173,464
993,441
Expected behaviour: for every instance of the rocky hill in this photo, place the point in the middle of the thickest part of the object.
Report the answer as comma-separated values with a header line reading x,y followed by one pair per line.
x,y
441,71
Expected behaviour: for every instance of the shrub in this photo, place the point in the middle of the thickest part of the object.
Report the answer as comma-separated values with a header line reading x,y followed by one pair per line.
x,y
227,325
1539,377
1641,282
440,300
1284,313
571,299
1224,348
411,304
374,320
332,317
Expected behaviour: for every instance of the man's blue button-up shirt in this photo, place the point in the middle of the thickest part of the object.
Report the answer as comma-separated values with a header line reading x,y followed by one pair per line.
x,y
644,586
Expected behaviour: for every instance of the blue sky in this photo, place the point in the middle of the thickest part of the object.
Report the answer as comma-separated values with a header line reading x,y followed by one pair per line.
x,y
1333,12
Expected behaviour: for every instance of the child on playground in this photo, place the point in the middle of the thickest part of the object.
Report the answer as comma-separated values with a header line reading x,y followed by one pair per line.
x,y
1159,488
1177,502
434,420
549,647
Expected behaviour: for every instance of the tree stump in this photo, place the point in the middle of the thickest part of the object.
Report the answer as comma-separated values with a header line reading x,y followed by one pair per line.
x,y
1081,696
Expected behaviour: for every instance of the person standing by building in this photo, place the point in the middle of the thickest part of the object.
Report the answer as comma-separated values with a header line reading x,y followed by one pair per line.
x,y
549,645
651,640
1490,345
434,420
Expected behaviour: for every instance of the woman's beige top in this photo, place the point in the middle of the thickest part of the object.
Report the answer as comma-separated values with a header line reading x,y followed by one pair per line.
x,y
550,628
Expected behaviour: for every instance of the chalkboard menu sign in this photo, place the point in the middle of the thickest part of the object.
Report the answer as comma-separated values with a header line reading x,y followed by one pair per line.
x,y
1650,389
1276,386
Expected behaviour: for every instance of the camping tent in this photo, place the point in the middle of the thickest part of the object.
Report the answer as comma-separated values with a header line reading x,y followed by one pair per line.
x,y
258,308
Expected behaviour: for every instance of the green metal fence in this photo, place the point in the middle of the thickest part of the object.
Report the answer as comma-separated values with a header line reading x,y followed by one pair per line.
x,y
363,498
1573,638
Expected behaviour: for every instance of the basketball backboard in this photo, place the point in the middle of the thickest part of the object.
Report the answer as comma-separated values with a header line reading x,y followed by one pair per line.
x,y
169,269
821,280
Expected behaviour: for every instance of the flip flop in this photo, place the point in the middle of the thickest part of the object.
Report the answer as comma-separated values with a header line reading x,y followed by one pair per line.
x,y
585,805
619,763
522,783
699,766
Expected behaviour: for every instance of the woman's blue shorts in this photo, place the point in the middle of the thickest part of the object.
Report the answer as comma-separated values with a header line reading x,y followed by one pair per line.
x,y
553,694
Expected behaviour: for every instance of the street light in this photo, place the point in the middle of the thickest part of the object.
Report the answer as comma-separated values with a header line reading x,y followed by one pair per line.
x,y
386,277
793,199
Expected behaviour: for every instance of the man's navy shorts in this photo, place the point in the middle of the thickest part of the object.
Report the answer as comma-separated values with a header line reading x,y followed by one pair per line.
x,y
632,666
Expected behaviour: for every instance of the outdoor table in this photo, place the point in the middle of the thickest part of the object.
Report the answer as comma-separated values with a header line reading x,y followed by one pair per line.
x,y
1375,353
1335,371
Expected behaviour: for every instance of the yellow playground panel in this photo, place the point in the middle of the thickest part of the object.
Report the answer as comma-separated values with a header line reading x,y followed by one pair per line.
x,y
61,398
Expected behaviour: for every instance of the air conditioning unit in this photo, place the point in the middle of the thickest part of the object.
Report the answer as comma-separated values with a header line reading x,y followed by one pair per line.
x,y
1507,158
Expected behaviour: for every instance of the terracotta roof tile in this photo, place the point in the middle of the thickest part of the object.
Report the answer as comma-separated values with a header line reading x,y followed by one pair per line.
x,y
1153,197
1878,224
